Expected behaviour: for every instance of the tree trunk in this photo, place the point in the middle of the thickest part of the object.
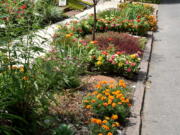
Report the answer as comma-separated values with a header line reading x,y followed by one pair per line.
x,y
95,20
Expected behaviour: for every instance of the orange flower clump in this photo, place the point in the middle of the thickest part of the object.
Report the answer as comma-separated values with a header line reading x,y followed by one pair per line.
x,y
114,117
109,133
105,127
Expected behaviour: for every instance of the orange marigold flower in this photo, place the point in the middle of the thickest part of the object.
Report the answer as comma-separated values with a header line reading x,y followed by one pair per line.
x,y
109,101
93,101
98,121
103,82
104,121
111,97
122,83
94,93
93,120
86,101
113,105
100,134
105,127
114,117
103,98
88,107
105,104
109,133
99,96
98,86
111,86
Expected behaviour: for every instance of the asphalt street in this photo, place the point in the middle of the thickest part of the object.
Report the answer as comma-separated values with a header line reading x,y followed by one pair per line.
x,y
161,114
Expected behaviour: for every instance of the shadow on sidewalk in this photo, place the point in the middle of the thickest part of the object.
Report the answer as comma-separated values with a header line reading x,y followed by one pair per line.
x,y
170,1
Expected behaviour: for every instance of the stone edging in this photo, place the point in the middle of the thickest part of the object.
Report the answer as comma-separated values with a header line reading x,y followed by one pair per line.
x,y
135,120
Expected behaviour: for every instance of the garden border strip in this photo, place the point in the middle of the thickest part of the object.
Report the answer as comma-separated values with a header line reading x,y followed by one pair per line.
x,y
135,121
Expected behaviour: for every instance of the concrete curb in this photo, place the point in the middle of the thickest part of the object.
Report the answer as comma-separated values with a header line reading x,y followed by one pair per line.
x,y
135,121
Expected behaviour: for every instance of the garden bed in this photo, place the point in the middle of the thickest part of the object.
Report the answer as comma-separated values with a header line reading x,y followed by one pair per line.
x,y
78,87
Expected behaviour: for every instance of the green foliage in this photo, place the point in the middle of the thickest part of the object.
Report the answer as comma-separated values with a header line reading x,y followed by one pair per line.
x,y
75,4
63,129
131,11
149,1
109,99
48,12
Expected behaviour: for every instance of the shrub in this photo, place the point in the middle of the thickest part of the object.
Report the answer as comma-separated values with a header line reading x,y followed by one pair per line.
x,y
109,99
119,63
48,12
110,105
149,1
119,41
58,72
131,11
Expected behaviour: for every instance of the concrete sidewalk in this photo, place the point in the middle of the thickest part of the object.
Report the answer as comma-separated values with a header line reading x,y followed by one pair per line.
x,y
161,114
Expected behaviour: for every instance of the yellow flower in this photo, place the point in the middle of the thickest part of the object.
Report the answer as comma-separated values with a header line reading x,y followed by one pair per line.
x,y
69,35
120,64
114,117
107,94
107,118
21,69
109,133
107,90
117,124
105,127
99,63
133,56
100,58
